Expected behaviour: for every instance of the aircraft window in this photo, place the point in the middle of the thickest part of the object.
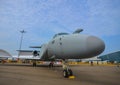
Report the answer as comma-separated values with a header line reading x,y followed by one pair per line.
x,y
60,34
60,43
53,41
60,38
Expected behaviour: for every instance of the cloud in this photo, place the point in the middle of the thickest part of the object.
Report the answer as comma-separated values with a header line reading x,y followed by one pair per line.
x,y
44,18
103,16
68,14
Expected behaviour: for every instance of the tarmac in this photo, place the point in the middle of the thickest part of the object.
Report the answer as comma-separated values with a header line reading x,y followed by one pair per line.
x,y
25,74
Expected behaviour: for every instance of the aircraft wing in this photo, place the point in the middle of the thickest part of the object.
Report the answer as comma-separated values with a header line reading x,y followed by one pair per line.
x,y
30,58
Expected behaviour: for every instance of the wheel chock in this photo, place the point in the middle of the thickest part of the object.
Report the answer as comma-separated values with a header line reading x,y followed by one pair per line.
x,y
71,77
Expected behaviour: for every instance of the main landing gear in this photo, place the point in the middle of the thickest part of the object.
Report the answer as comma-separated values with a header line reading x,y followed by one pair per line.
x,y
67,72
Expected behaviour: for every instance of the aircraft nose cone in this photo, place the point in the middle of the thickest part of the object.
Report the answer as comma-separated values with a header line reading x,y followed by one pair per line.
x,y
95,45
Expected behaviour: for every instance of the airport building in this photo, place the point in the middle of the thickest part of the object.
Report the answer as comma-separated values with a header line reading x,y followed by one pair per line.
x,y
112,57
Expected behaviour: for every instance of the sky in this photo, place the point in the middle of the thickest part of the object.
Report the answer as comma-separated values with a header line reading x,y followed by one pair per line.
x,y
41,19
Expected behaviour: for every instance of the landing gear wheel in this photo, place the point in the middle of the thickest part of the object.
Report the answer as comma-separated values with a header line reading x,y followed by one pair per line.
x,y
70,72
67,73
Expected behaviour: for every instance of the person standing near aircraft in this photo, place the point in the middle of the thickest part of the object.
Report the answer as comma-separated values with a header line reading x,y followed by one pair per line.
x,y
34,63
91,63
51,64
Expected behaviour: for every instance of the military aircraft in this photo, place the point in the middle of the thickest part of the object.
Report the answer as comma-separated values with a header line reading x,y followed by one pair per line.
x,y
70,46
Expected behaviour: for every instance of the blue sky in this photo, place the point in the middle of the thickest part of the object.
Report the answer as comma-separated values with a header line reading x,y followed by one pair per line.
x,y
44,18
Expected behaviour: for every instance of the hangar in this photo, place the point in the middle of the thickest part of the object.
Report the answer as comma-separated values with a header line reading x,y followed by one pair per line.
x,y
4,54
112,57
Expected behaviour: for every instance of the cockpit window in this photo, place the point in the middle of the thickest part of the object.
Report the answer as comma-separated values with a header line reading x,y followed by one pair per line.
x,y
59,34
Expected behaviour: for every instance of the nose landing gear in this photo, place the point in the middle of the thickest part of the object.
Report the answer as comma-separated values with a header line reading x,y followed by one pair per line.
x,y
67,72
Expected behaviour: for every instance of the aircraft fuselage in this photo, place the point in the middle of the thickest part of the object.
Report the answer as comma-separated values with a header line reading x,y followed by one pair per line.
x,y
73,46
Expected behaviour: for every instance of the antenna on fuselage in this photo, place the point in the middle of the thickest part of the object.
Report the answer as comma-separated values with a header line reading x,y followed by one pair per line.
x,y
77,31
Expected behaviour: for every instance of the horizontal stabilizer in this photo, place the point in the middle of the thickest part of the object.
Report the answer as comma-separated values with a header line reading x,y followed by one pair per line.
x,y
35,46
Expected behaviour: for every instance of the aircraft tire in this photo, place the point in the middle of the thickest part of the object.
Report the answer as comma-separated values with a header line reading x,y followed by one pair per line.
x,y
65,73
70,72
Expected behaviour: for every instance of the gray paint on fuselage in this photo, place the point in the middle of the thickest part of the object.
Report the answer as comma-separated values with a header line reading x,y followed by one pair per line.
x,y
74,46
71,46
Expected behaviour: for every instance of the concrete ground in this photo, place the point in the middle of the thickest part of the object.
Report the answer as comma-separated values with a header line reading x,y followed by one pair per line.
x,y
84,75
